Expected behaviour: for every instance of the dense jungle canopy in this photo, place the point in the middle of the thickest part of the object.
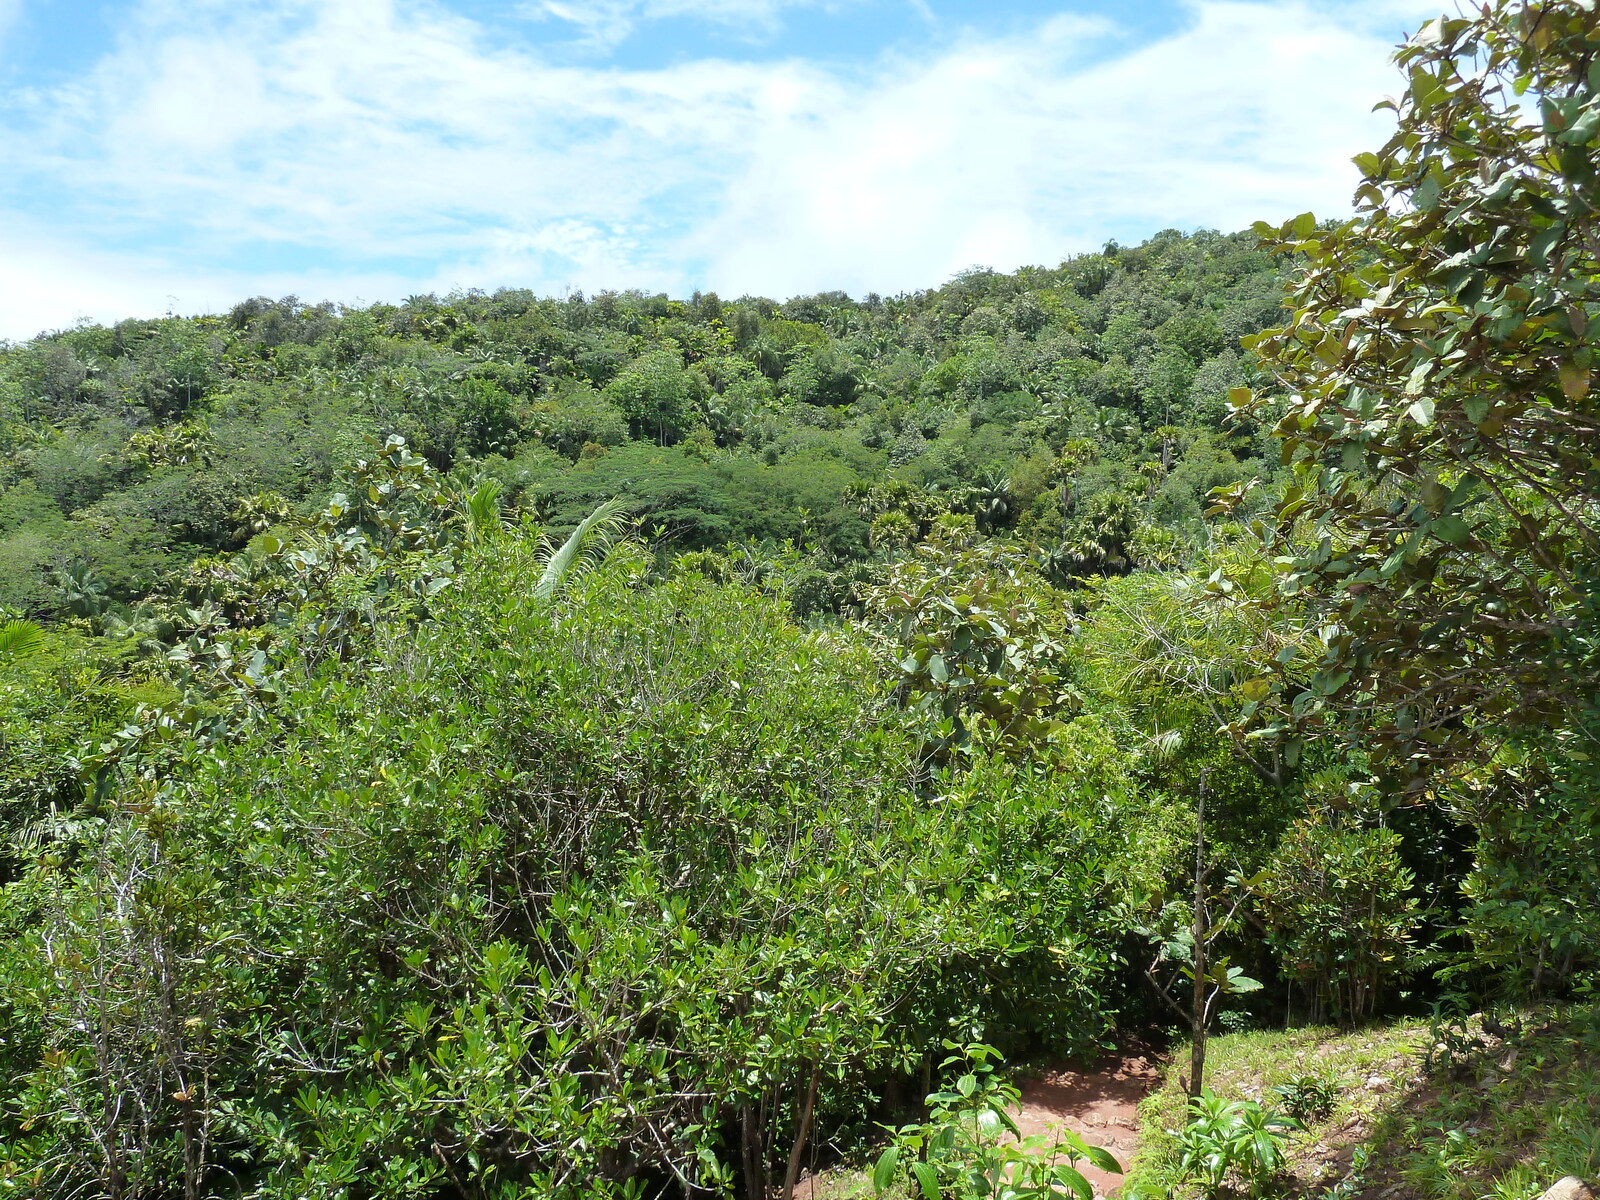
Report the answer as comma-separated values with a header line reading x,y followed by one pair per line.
x,y
499,746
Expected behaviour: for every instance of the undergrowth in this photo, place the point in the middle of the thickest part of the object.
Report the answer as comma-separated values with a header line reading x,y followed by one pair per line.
x,y
1430,1110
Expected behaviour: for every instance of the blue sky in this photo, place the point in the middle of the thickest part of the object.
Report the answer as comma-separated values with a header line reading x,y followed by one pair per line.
x,y
179,155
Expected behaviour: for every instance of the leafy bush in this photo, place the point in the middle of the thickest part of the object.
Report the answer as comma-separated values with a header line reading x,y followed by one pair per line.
x,y
637,882
1338,901
980,643
1308,1097
1231,1135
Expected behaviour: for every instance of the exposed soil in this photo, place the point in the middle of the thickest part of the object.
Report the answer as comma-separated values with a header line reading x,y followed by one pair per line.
x,y
1100,1105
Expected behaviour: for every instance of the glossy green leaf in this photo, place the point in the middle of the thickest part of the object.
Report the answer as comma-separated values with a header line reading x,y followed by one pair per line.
x,y
887,1169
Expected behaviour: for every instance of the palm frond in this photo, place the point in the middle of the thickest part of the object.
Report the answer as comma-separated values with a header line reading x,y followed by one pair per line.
x,y
1163,746
588,542
480,508
19,639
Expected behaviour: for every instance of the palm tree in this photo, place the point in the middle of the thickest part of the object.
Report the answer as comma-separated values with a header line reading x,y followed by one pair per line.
x,y
990,497
1112,425
1076,454
83,590
1153,473
860,497
771,359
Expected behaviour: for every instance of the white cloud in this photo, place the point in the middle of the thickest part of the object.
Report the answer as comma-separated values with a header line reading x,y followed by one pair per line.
x,y
1014,152
47,282
395,147
607,22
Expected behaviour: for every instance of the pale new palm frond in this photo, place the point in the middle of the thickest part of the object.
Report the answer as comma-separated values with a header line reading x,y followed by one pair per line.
x,y
587,543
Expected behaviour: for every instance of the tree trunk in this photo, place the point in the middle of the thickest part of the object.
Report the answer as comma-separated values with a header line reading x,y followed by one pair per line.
x,y
1197,1017
795,1152
754,1153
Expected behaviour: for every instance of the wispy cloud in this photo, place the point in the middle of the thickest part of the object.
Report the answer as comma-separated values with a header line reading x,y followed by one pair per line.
x,y
383,144
607,22
10,11
1023,150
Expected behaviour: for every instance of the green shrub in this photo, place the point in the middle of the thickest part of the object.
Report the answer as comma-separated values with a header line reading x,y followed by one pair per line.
x,y
1308,1097
1231,1135
551,896
1338,901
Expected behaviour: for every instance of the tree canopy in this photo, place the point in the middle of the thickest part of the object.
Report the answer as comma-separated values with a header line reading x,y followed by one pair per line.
x,y
620,747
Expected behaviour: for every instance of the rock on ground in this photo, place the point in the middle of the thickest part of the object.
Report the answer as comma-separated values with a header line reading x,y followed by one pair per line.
x,y
1570,1188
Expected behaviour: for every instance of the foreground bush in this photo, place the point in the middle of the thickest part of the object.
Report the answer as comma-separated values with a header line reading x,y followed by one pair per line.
x,y
626,891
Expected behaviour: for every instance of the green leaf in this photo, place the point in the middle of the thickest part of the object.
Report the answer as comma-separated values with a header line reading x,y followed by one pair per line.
x,y
20,639
1451,529
928,1180
1584,128
1426,197
886,1170
1102,1158
595,528
1240,983
1418,377
1326,683
1071,1177
1303,226
1370,165
1541,245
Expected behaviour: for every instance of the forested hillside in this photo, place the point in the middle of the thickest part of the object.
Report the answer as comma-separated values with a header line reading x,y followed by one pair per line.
x,y
632,747
133,450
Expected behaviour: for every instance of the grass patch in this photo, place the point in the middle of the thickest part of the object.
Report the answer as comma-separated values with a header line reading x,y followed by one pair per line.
x,y
1417,1111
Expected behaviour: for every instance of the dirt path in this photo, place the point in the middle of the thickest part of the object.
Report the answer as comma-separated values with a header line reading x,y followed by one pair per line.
x,y
1100,1105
